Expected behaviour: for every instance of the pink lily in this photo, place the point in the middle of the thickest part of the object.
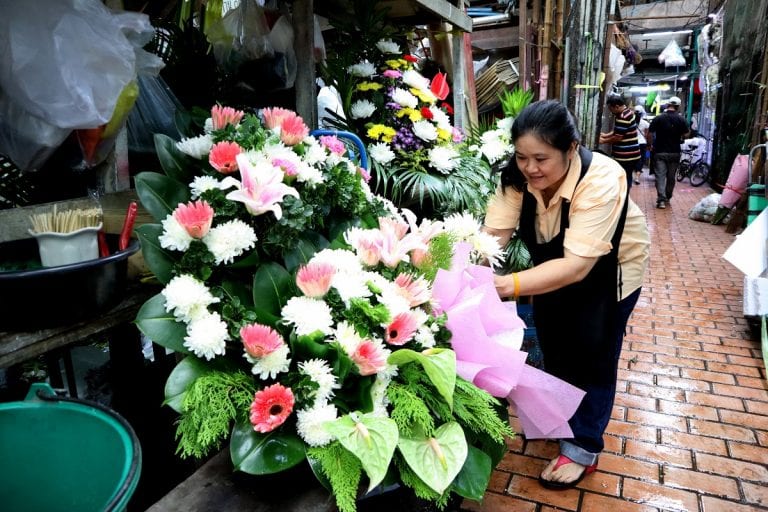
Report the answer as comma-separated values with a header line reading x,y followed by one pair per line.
x,y
262,189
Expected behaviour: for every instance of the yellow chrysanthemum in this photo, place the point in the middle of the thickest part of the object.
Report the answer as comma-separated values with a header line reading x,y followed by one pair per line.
x,y
425,96
443,134
413,114
369,86
395,63
381,132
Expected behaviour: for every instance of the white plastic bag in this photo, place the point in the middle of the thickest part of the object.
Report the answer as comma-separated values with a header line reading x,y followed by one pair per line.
x,y
672,55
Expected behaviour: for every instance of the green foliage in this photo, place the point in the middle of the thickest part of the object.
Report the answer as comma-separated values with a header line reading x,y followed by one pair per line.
x,y
408,410
211,404
474,409
514,101
439,256
343,470
420,489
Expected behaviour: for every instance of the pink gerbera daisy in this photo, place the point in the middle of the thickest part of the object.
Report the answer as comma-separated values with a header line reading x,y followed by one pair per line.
x,y
293,130
370,357
288,167
415,290
222,116
271,407
274,117
314,278
401,329
260,340
195,217
223,156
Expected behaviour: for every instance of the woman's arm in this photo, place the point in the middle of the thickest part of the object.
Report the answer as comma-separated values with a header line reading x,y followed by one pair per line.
x,y
546,277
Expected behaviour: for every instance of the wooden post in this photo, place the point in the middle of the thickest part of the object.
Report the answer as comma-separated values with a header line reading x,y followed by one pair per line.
x,y
557,81
523,21
304,46
546,53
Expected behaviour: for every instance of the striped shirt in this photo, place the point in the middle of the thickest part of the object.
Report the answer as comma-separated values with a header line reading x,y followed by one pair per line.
x,y
627,149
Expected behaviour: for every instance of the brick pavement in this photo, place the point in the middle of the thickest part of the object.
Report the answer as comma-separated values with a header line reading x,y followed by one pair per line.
x,y
689,430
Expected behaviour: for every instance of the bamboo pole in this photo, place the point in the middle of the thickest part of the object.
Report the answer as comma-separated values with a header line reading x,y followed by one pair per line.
x,y
523,35
546,53
557,82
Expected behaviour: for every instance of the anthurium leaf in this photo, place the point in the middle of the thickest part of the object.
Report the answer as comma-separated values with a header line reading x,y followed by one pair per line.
x,y
307,246
175,164
160,326
182,376
372,439
439,365
472,480
159,194
438,459
272,287
264,454
160,261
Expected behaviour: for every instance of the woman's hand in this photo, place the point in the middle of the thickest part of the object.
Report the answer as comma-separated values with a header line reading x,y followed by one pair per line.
x,y
505,285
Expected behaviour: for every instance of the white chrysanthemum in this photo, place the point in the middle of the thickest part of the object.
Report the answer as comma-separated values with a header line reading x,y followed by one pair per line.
x,y
381,152
362,109
187,298
275,149
416,80
443,158
441,119
272,364
314,152
393,300
346,336
425,130
174,236
203,184
308,315
388,46
350,285
404,98
505,124
309,175
207,336
230,240
339,258
321,374
495,145
425,337
362,69
463,225
333,160
487,246
196,147
310,424
208,125
379,391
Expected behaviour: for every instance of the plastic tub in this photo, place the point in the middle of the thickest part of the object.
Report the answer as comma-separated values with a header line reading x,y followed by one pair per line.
x,y
35,297
59,454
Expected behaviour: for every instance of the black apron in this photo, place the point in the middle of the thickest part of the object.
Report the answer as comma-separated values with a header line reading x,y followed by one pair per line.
x,y
576,325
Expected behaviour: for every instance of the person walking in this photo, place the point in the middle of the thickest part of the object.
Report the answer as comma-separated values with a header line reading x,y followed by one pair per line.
x,y
642,140
589,244
625,148
667,131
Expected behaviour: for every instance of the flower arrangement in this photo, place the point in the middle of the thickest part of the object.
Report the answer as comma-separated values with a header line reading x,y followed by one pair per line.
x,y
418,157
303,306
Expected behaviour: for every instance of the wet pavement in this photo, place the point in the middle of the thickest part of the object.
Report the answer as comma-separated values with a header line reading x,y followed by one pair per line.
x,y
689,430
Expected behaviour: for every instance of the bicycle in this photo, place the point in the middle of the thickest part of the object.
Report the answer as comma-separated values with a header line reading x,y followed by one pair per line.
x,y
697,172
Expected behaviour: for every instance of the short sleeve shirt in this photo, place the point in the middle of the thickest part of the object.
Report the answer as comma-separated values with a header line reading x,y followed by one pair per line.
x,y
668,129
596,204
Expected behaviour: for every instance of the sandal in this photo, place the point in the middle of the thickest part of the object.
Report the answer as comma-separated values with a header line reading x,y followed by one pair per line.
x,y
562,460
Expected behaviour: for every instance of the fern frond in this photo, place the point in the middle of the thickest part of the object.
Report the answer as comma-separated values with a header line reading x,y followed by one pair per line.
x,y
343,470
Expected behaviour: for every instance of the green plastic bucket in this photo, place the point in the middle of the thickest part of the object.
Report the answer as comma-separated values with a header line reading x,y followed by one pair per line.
x,y
756,201
62,454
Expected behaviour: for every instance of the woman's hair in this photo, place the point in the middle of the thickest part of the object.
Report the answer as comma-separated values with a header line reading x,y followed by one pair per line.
x,y
550,122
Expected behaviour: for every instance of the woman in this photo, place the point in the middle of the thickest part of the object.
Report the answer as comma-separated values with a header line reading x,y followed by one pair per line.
x,y
589,245
642,139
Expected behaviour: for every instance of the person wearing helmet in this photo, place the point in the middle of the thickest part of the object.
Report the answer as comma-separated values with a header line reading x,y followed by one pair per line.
x,y
667,131
642,140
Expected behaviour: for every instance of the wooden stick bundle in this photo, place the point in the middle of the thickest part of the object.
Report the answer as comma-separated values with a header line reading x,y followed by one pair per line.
x,y
66,221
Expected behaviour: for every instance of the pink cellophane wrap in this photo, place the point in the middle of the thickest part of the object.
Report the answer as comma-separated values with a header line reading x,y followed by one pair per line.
x,y
487,335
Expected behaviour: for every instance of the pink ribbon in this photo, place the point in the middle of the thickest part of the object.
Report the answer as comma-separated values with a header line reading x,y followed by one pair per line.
x,y
486,335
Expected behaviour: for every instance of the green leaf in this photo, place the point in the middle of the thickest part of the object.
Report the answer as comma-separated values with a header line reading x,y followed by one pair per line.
x,y
159,194
438,459
160,261
439,365
372,439
301,253
160,326
475,474
252,260
272,287
175,164
264,454
182,376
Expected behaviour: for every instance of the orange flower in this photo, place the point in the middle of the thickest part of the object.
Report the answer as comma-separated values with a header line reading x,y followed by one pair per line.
x,y
293,130
271,407
274,117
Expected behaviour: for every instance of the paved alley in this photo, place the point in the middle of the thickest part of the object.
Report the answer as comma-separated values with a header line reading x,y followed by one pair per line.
x,y
689,430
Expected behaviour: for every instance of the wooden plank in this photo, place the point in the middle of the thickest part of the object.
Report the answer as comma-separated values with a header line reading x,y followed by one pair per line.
x,y
498,37
429,9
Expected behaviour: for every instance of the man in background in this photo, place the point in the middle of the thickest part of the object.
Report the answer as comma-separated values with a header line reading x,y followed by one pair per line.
x,y
667,131
623,138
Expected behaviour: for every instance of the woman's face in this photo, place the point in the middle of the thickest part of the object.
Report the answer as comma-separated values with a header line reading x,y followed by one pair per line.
x,y
543,166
